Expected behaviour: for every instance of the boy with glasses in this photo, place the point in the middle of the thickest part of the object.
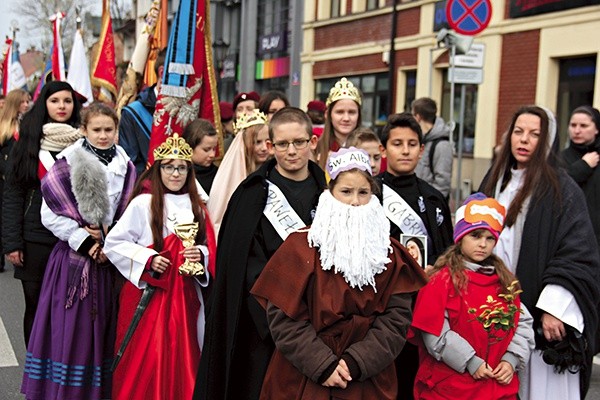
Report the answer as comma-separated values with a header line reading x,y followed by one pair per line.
x,y
277,199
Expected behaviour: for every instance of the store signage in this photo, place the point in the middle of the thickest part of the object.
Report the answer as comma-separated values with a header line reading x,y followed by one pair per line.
x,y
524,8
271,43
229,67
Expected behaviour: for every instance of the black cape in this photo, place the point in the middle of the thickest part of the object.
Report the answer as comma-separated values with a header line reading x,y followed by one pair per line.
x,y
236,337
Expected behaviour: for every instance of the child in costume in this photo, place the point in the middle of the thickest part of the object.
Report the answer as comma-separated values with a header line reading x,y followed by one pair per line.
x,y
470,289
152,245
338,294
366,139
85,192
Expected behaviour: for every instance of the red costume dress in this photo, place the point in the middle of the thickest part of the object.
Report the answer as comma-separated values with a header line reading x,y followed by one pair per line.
x,y
162,357
435,379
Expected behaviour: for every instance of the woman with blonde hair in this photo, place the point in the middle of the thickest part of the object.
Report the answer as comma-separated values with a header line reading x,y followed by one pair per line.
x,y
248,151
16,104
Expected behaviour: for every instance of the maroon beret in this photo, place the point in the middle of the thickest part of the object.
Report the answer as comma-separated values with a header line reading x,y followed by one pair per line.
x,y
226,111
245,96
316,105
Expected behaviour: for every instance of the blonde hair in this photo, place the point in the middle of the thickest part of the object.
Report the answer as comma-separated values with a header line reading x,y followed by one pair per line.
x,y
250,135
9,115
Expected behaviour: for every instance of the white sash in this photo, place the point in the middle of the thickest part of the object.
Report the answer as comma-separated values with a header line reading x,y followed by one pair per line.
x,y
280,213
401,213
46,159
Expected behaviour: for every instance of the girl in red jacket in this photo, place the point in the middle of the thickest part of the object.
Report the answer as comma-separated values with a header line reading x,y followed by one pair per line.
x,y
475,334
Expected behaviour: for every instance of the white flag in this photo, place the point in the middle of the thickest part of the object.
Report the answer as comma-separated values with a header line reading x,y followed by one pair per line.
x,y
79,70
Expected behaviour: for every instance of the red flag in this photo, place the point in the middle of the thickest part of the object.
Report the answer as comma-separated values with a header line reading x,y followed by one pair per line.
x,y
7,54
188,89
104,68
58,57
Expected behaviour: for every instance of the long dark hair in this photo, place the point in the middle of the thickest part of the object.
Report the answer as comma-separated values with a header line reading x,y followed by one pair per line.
x,y
541,176
151,180
455,261
24,156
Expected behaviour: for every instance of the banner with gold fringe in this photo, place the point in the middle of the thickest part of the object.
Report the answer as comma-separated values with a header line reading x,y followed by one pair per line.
x,y
104,69
188,89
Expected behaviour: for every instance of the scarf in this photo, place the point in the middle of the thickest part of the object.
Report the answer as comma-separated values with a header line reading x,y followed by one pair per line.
x,y
105,156
56,137
353,240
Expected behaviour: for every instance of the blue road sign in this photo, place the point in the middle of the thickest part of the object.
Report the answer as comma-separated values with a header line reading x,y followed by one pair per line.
x,y
468,17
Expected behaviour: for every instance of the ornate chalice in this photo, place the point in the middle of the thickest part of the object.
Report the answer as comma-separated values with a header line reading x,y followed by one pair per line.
x,y
187,234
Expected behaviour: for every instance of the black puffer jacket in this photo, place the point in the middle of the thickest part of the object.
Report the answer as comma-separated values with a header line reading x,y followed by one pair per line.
x,y
21,219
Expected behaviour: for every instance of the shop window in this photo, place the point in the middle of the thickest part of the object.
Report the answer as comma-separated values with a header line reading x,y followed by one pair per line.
x,y
575,88
470,116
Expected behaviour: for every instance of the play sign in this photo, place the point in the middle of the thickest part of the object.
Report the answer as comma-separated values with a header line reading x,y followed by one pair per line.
x,y
468,17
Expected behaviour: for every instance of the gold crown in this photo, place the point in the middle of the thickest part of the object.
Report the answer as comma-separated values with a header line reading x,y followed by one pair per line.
x,y
173,148
247,120
343,89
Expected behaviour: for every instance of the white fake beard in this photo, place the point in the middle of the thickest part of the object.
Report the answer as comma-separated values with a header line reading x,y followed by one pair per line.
x,y
353,240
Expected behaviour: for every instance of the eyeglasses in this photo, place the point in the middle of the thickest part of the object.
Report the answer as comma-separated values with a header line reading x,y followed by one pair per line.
x,y
298,144
170,169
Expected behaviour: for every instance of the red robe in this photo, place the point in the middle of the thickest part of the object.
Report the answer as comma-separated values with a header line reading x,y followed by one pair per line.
x,y
161,360
294,282
435,379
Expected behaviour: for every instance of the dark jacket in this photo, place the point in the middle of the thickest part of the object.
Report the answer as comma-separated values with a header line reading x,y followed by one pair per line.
x,y
4,151
134,137
206,176
558,247
237,335
436,217
587,178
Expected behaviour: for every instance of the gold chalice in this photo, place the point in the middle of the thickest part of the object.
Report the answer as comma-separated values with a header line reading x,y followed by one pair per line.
x,y
187,234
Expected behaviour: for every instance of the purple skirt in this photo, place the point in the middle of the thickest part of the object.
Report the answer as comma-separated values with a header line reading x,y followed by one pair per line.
x,y
70,350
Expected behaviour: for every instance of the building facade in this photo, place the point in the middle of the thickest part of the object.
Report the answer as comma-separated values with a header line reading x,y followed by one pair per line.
x,y
543,52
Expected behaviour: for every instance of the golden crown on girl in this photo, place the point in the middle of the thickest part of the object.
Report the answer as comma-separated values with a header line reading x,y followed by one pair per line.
x,y
173,148
343,89
244,121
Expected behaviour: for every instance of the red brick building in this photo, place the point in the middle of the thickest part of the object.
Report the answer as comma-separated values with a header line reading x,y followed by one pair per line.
x,y
543,52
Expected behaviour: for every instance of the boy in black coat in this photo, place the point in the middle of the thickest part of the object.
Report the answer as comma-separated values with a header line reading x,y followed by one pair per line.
x,y
238,344
413,207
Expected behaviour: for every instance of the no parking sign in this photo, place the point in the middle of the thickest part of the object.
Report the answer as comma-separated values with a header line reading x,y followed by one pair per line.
x,y
468,17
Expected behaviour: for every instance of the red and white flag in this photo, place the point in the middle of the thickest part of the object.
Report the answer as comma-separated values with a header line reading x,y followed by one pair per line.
x,y
58,56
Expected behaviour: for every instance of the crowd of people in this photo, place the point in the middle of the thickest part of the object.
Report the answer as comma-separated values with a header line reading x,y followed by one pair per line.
x,y
318,259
